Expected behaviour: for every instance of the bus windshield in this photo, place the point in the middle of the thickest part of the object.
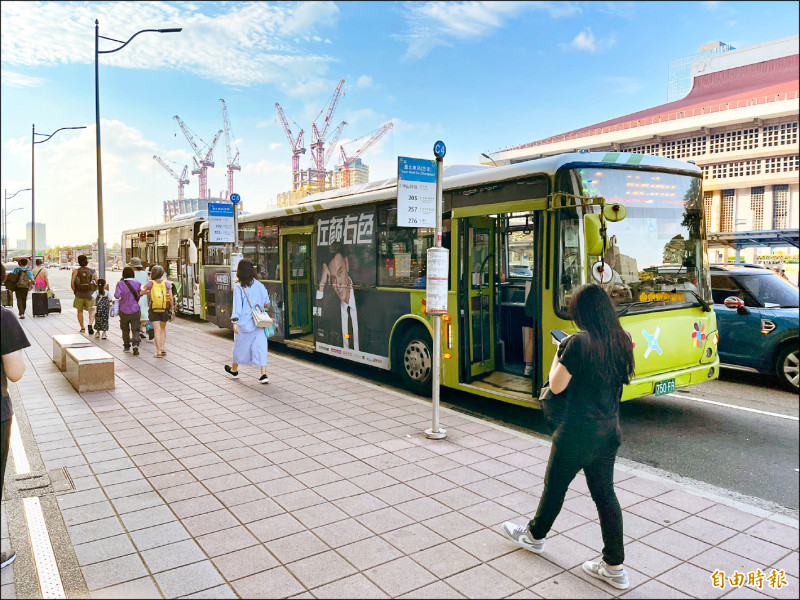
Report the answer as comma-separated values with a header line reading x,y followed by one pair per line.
x,y
655,258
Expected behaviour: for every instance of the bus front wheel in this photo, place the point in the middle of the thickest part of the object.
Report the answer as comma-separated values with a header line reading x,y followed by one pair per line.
x,y
416,361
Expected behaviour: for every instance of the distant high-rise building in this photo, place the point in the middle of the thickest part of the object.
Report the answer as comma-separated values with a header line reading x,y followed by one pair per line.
x,y
41,242
680,70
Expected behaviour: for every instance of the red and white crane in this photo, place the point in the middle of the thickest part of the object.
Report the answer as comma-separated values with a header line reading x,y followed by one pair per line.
x,y
182,178
296,146
318,137
233,163
201,162
348,162
332,144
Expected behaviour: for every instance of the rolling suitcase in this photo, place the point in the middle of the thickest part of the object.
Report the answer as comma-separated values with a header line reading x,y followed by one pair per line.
x,y
53,305
39,304
7,298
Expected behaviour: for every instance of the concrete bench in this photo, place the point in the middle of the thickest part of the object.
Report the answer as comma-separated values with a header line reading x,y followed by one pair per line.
x,y
90,369
60,345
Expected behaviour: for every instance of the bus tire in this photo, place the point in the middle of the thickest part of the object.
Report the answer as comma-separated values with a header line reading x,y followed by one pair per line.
x,y
786,367
415,360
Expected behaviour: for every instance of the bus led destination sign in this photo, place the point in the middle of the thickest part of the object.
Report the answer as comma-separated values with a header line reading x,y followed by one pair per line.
x,y
416,192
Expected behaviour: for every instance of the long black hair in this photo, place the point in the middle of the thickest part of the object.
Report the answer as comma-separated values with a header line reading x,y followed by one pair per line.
x,y
611,348
246,273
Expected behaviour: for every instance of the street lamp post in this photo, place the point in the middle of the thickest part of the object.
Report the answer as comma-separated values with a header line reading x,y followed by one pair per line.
x,y
7,212
101,250
33,184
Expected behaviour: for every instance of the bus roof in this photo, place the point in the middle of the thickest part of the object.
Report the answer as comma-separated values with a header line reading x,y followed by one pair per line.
x,y
167,225
386,189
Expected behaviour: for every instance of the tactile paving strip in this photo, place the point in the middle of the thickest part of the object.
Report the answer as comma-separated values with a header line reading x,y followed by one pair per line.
x,y
46,566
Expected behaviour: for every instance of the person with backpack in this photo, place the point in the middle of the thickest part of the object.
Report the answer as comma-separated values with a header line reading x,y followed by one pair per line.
x,y
130,314
160,306
102,302
40,281
140,274
84,283
586,378
22,279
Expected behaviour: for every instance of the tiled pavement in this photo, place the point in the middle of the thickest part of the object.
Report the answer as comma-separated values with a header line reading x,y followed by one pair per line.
x,y
189,484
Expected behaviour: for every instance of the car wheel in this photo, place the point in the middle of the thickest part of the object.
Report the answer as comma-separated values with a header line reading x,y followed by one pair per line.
x,y
787,368
416,361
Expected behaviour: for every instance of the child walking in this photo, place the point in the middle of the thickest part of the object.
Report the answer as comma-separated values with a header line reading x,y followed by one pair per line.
x,y
103,304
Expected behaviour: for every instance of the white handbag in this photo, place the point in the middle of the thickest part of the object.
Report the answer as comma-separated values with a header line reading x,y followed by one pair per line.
x,y
261,317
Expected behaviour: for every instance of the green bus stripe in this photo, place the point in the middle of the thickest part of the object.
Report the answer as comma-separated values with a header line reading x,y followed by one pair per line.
x,y
635,159
611,157
288,211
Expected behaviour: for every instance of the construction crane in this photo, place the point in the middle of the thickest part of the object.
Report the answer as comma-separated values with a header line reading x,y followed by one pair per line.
x,y
296,146
332,145
318,137
201,162
182,179
233,163
348,162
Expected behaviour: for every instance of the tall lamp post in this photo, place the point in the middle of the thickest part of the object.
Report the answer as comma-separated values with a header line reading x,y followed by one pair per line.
x,y
7,212
33,184
101,249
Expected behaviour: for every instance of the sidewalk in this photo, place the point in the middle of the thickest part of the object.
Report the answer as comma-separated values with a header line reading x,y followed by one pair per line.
x,y
190,484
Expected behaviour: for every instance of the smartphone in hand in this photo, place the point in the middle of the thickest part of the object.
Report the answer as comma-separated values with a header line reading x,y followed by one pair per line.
x,y
558,335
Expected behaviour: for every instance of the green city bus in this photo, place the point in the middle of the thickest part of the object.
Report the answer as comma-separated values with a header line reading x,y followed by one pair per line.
x,y
346,281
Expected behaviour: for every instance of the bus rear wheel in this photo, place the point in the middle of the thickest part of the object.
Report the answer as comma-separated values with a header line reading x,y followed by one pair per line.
x,y
416,361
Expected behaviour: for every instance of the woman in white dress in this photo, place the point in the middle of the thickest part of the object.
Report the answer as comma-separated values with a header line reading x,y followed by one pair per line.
x,y
250,342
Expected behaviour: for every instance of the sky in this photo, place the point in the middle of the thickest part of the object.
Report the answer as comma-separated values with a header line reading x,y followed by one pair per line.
x,y
481,76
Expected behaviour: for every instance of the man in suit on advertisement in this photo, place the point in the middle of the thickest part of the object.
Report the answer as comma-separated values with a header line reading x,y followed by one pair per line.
x,y
338,310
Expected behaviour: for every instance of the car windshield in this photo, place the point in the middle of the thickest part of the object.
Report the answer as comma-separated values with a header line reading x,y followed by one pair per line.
x,y
656,254
520,271
769,290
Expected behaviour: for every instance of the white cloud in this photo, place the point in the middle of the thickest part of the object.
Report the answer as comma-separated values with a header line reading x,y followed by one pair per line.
x,y
275,145
586,41
364,81
243,44
18,80
439,23
711,4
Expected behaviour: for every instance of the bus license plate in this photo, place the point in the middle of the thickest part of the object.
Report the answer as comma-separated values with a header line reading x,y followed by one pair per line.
x,y
665,387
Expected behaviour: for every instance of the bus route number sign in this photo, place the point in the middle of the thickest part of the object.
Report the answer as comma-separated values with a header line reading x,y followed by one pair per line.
x,y
416,192
220,223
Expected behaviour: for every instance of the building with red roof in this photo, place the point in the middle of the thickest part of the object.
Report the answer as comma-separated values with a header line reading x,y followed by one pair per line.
x,y
738,123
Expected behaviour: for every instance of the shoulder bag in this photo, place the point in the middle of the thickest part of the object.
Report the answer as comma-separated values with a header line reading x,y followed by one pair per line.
x,y
553,406
260,317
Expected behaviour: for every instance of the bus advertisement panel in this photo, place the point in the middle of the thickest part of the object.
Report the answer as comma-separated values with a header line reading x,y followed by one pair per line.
x,y
351,318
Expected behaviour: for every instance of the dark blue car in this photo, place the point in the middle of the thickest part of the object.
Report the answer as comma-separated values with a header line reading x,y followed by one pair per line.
x,y
757,317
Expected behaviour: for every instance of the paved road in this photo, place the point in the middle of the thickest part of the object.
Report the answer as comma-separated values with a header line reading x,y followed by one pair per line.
x,y
746,452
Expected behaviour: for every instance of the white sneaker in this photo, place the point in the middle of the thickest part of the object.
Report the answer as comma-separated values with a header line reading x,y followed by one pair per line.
x,y
528,371
600,570
521,536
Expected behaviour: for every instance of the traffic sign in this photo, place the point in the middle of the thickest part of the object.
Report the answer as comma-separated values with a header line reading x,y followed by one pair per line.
x,y
439,149
236,198
416,192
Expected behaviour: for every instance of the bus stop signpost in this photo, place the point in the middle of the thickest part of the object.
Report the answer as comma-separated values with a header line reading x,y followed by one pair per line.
x,y
236,256
419,204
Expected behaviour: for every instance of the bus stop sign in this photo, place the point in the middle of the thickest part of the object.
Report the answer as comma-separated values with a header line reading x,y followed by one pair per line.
x,y
236,198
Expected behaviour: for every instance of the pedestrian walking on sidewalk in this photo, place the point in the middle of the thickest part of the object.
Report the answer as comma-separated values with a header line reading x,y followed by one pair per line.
x,y
22,282
40,281
130,314
84,283
102,308
160,306
12,366
139,273
587,375
249,341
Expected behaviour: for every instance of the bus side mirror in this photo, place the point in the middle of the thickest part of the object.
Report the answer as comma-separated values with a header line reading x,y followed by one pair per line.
x,y
592,234
614,212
